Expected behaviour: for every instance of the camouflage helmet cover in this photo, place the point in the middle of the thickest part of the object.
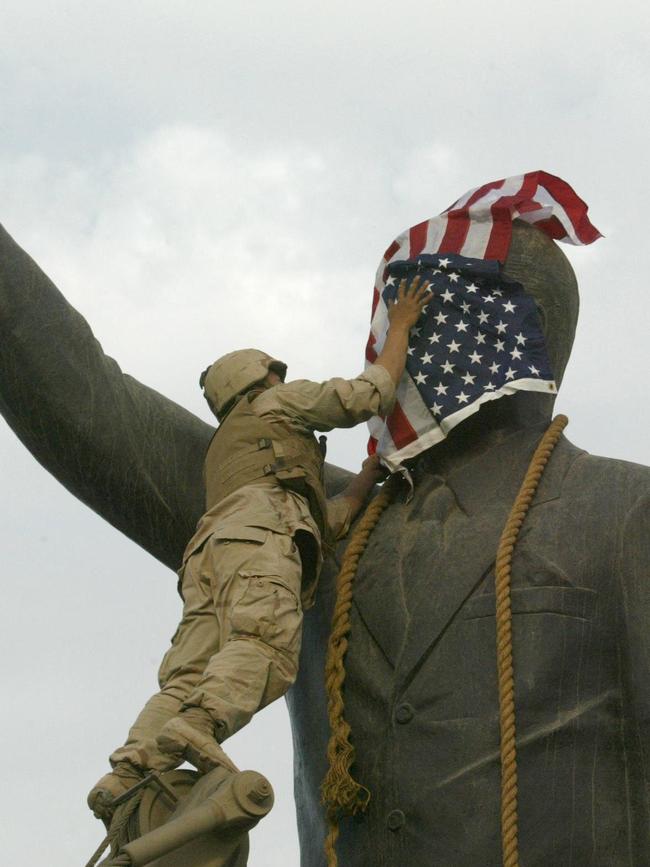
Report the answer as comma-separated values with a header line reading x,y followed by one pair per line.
x,y
234,373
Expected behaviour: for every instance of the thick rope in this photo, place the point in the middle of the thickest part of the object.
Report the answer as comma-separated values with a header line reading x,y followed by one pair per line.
x,y
341,794
503,573
97,854
118,834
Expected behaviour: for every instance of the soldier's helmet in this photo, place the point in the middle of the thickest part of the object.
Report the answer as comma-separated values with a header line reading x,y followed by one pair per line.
x,y
233,374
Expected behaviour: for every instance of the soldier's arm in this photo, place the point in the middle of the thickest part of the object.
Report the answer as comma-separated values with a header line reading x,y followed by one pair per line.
x,y
129,453
347,402
343,509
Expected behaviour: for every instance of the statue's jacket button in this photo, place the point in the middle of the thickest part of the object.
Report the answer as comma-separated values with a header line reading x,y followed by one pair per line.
x,y
395,820
404,713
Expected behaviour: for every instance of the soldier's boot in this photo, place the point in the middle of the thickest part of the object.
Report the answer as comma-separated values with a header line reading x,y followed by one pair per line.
x,y
190,736
111,786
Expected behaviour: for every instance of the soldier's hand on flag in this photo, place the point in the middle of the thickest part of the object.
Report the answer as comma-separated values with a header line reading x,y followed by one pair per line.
x,y
406,309
403,313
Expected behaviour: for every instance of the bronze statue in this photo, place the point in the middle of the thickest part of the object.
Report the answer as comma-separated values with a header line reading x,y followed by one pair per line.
x,y
421,674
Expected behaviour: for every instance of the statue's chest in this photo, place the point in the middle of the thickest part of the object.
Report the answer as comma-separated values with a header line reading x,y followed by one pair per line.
x,y
410,544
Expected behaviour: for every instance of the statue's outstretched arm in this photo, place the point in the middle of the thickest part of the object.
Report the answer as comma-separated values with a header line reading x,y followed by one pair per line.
x,y
129,453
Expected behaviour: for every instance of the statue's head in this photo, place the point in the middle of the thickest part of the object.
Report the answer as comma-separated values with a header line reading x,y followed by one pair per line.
x,y
234,374
538,263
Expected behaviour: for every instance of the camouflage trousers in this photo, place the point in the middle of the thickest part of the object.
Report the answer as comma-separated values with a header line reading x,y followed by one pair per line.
x,y
237,646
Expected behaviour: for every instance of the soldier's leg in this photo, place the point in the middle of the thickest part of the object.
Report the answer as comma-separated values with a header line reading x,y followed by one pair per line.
x,y
257,603
194,642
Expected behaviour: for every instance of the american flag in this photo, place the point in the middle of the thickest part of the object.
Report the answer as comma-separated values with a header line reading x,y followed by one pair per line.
x,y
480,337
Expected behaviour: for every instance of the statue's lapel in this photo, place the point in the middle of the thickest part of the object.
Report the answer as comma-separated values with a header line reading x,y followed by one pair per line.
x,y
442,574
442,584
377,598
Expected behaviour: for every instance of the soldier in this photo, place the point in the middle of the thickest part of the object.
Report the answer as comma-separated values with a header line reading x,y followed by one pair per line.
x,y
252,565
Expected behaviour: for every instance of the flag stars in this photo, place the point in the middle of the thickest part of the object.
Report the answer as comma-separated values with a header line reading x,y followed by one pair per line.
x,y
465,327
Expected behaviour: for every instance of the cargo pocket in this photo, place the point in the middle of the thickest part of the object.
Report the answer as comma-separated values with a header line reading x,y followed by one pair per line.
x,y
232,551
270,611
224,535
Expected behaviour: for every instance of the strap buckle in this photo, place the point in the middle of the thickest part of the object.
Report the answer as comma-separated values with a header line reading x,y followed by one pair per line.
x,y
276,466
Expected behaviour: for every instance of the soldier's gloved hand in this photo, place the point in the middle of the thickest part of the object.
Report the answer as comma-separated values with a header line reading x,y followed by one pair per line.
x,y
374,469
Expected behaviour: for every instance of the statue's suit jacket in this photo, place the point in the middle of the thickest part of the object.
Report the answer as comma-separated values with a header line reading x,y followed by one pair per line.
x,y
421,688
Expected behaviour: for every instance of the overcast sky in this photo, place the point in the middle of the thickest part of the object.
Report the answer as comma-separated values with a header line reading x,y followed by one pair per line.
x,y
197,177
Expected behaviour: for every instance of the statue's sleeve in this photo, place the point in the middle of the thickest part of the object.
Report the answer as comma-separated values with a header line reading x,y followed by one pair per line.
x,y
128,452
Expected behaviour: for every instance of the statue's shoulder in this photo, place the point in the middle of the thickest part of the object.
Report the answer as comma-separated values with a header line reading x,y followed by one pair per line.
x,y
336,479
610,479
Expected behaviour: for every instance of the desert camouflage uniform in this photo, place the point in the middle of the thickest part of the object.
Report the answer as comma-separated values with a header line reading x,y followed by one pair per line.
x,y
243,582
